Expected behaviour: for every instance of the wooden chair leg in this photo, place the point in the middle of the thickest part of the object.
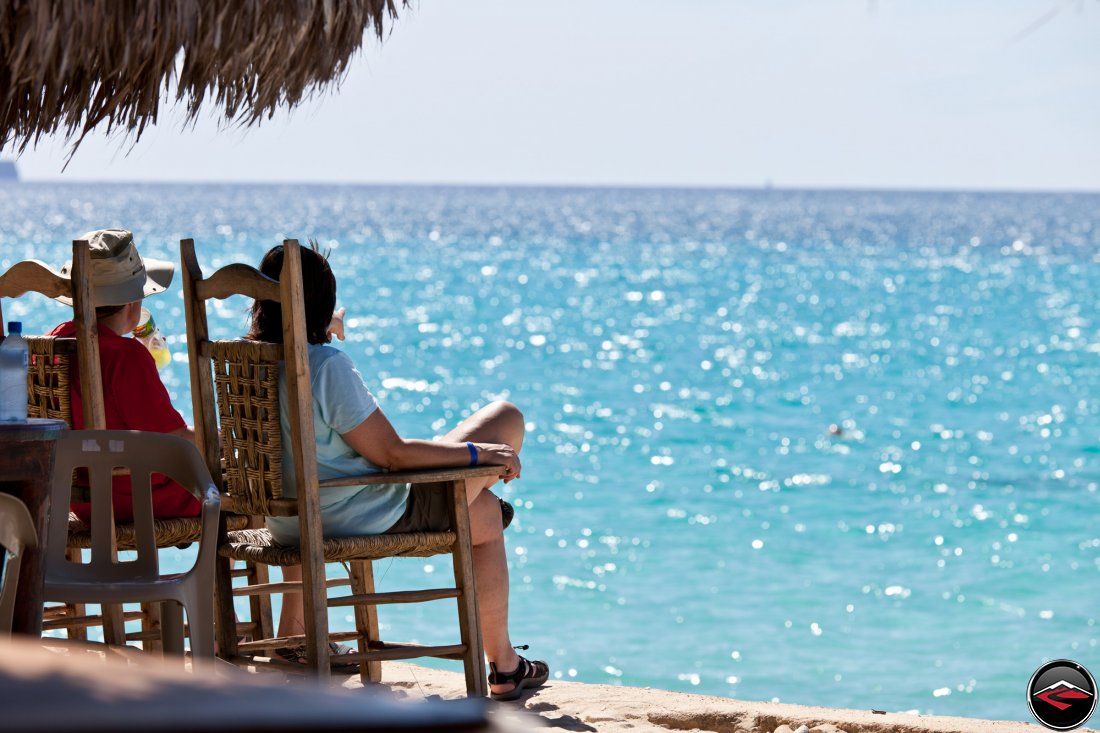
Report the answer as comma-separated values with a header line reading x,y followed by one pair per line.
x,y
225,617
260,605
315,595
366,618
469,620
114,628
151,624
73,610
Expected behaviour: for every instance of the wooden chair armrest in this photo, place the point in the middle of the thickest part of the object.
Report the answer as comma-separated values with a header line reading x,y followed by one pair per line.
x,y
417,476
289,507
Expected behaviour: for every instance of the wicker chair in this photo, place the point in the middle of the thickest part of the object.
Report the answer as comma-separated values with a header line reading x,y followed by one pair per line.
x,y
48,383
49,365
49,395
235,385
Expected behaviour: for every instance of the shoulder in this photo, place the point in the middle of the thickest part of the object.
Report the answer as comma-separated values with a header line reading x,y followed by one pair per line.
x,y
324,351
128,349
323,356
128,358
63,330
121,350
332,370
330,366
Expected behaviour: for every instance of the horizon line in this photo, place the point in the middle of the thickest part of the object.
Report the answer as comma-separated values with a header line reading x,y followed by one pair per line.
x,y
757,188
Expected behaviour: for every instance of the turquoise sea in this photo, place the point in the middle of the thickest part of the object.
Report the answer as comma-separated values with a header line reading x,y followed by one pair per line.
x,y
824,447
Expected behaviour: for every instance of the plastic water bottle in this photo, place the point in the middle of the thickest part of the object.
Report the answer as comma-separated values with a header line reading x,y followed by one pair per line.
x,y
148,334
13,375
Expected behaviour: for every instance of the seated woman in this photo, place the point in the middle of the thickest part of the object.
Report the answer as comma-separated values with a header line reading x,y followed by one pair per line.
x,y
354,437
134,396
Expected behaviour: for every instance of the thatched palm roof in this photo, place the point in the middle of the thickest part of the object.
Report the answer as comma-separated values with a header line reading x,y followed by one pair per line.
x,y
72,65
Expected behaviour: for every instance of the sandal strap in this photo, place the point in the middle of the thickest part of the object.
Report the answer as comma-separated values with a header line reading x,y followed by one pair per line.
x,y
294,655
297,654
526,668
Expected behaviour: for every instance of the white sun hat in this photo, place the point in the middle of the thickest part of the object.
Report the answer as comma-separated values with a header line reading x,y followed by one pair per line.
x,y
119,274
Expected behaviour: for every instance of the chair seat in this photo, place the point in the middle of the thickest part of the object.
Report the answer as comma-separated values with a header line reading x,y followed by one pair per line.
x,y
84,590
168,532
257,545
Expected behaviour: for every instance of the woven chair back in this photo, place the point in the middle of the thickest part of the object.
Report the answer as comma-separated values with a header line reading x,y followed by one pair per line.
x,y
45,395
246,383
235,389
48,369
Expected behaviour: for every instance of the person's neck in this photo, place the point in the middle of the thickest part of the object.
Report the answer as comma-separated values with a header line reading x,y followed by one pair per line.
x,y
116,322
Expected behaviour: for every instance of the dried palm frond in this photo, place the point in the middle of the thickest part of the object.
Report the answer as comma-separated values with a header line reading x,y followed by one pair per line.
x,y
72,65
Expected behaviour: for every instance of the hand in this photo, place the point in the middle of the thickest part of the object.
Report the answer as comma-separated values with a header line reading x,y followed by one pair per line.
x,y
499,455
336,325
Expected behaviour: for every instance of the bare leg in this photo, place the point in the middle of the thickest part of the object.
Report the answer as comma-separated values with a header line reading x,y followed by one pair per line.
x,y
292,617
499,422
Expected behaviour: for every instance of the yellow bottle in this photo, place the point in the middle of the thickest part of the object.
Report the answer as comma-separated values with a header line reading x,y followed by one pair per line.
x,y
148,334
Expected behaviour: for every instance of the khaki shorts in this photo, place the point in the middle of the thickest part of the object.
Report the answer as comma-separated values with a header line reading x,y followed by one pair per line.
x,y
426,510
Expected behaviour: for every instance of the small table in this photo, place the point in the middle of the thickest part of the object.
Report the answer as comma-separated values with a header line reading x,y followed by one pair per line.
x,y
26,468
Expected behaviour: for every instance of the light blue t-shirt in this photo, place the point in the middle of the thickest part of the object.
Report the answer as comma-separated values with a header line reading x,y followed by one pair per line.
x,y
341,401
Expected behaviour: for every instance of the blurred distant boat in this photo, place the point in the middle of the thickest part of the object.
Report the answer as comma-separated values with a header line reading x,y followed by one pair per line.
x,y
8,171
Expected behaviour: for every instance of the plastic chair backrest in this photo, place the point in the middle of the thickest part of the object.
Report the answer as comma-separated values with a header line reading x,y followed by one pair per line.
x,y
34,276
99,452
16,534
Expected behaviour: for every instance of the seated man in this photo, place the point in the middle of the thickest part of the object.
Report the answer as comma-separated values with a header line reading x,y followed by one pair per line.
x,y
134,396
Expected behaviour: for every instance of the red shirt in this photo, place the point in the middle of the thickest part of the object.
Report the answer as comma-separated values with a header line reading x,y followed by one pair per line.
x,y
134,399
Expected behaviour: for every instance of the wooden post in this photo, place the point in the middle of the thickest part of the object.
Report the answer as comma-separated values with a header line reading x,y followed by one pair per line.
x,y
206,437
304,452
202,382
87,338
91,393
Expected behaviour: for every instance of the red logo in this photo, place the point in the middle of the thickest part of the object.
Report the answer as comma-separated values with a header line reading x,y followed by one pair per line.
x,y
1062,695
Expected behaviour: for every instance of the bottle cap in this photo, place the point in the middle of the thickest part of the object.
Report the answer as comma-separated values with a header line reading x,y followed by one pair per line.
x,y
15,328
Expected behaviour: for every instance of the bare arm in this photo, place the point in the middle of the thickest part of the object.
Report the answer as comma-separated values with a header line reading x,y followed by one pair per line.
x,y
336,325
377,441
186,432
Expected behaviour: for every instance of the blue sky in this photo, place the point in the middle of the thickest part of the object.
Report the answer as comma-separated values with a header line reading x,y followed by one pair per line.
x,y
796,93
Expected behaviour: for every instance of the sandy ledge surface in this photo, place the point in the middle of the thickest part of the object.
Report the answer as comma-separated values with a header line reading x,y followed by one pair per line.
x,y
576,706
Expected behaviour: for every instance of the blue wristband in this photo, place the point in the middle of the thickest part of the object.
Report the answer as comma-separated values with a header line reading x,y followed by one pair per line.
x,y
473,453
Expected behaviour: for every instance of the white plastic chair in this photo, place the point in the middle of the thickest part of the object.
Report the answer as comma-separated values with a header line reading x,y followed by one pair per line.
x,y
16,534
101,579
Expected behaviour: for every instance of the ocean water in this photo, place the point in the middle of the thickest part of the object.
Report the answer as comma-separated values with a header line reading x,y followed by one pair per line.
x,y
835,448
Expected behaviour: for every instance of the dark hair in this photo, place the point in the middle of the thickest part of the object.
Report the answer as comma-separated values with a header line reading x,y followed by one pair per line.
x,y
319,290
106,311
